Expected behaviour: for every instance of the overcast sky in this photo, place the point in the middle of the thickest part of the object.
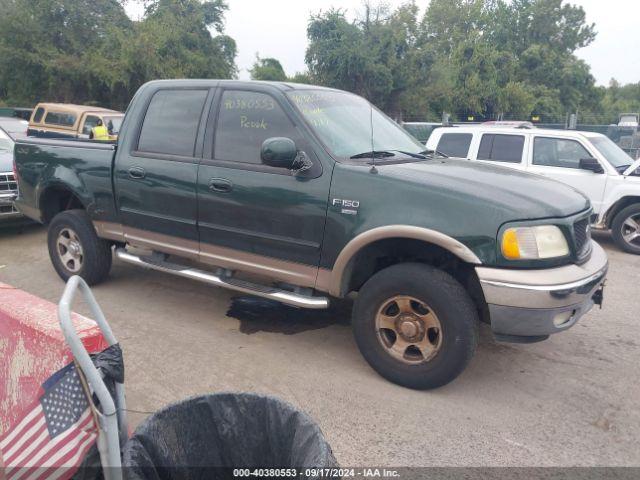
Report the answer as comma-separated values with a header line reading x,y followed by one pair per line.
x,y
277,28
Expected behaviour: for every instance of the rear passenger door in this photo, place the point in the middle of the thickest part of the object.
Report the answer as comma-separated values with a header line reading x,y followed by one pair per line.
x,y
156,179
503,149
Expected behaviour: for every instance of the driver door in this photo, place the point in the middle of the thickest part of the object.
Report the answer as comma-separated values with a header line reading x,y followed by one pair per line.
x,y
252,216
559,159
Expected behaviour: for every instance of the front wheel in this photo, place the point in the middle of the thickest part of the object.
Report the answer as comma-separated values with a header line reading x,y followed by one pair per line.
x,y
76,249
625,229
415,325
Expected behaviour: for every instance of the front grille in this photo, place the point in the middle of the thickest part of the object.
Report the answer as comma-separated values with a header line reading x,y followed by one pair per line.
x,y
582,236
8,183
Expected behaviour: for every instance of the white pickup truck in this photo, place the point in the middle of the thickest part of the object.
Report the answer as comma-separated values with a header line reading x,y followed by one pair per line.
x,y
589,162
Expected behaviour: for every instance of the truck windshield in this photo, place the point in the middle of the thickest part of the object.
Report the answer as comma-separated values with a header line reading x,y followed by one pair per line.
x,y
612,152
113,124
343,123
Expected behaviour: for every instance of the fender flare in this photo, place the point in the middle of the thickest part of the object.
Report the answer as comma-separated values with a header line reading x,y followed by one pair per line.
x,y
337,274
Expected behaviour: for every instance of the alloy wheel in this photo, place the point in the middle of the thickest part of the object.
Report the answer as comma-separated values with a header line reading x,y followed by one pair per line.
x,y
408,329
70,250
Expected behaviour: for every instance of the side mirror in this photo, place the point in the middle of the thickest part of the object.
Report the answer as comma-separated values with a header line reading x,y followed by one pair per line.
x,y
591,164
278,152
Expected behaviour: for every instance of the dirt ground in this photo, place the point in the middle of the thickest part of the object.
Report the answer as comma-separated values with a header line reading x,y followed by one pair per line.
x,y
571,400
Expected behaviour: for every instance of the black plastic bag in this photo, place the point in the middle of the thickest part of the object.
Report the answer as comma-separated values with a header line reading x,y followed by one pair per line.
x,y
111,363
210,436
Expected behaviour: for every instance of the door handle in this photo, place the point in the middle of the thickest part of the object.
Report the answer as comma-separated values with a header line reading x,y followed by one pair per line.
x,y
137,172
220,185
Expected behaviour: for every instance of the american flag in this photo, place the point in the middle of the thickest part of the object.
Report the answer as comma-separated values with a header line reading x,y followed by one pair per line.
x,y
55,434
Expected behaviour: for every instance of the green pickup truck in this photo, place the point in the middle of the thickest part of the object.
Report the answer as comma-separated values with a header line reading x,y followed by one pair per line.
x,y
301,194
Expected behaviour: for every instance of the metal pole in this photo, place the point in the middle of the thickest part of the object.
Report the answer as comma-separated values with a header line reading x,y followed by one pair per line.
x,y
110,446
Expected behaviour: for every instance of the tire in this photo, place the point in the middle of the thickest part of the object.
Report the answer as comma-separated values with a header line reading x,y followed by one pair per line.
x,y
454,343
623,225
92,261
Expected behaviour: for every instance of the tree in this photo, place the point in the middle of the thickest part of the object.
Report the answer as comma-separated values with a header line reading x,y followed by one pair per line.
x,y
373,56
267,69
84,51
46,48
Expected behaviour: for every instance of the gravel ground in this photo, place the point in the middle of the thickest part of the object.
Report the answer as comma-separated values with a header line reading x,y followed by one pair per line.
x,y
573,400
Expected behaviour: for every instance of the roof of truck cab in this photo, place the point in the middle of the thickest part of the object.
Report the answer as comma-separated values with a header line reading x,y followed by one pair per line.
x,y
283,86
520,131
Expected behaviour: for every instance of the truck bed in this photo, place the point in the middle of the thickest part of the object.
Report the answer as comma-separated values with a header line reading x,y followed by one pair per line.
x,y
84,167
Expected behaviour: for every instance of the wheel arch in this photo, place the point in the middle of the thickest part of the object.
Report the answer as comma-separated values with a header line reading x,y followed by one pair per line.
x,y
381,239
618,206
58,197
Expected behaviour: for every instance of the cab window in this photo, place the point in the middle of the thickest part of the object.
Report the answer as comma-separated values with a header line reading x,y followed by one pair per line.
x,y
558,152
89,122
60,118
455,144
501,148
170,126
245,120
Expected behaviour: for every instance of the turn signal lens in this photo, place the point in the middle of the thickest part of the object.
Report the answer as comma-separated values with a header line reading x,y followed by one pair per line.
x,y
510,247
530,243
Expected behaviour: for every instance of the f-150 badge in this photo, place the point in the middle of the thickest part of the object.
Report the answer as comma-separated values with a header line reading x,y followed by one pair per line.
x,y
348,207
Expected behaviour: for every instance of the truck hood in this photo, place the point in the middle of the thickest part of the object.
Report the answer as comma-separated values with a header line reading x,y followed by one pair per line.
x,y
519,195
632,168
6,162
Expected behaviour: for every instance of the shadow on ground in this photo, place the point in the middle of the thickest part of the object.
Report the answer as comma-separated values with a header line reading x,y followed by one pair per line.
x,y
262,315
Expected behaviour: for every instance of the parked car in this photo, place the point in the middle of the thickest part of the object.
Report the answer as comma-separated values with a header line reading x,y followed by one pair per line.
x,y
10,128
16,112
281,191
63,120
14,127
587,161
629,120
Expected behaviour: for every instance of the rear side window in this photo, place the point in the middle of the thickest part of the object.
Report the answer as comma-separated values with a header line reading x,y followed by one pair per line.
x,y
171,123
455,144
60,118
558,152
38,116
247,119
501,148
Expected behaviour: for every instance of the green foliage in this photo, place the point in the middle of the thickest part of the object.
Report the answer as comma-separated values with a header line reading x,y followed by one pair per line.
x,y
374,56
464,56
267,69
85,51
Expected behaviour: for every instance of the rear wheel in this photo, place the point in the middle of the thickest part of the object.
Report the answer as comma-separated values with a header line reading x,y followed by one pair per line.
x,y
625,229
415,325
75,249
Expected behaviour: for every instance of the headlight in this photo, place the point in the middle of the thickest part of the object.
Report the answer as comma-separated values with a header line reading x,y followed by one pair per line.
x,y
526,243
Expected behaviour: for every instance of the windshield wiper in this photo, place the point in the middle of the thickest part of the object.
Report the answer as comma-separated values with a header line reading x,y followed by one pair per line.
x,y
414,155
388,153
433,153
374,154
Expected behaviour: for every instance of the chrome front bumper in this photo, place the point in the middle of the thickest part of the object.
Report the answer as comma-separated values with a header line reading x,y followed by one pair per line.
x,y
529,305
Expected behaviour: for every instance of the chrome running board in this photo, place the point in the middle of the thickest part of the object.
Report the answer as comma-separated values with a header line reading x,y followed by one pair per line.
x,y
284,296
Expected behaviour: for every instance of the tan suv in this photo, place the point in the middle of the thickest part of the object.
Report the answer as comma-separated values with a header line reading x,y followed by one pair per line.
x,y
65,120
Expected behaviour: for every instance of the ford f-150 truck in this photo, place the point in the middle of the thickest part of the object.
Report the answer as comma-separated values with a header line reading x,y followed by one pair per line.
x,y
301,194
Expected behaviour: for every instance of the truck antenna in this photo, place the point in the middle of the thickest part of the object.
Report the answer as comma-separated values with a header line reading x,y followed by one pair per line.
x,y
373,150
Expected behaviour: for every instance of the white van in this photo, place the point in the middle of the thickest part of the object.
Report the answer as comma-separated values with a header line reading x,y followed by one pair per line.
x,y
589,162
